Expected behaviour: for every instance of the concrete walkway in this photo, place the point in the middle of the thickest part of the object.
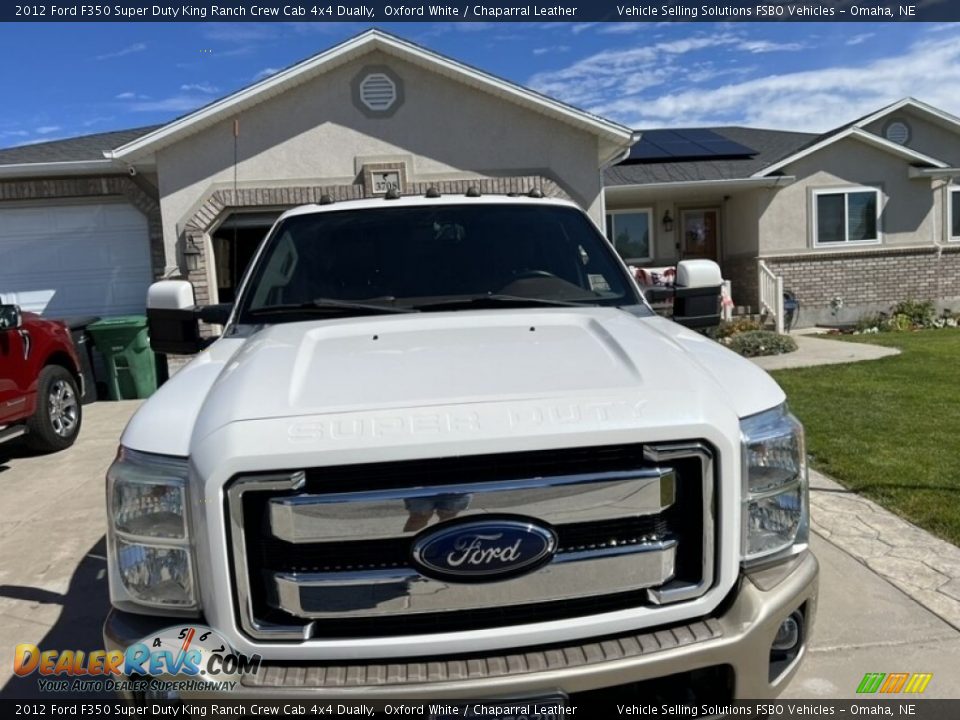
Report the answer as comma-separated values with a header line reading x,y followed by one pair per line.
x,y
813,350
921,565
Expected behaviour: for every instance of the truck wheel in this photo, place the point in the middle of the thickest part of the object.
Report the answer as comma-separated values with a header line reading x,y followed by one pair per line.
x,y
56,421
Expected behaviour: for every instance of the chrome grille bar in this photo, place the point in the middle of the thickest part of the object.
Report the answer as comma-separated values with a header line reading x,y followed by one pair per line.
x,y
394,513
375,593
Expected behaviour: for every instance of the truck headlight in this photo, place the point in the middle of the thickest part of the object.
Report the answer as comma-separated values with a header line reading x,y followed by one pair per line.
x,y
775,492
149,555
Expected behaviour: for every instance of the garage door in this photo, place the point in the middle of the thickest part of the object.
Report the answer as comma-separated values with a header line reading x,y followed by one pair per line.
x,y
78,259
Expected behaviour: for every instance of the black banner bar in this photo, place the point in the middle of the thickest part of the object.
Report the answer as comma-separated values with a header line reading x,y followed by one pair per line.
x,y
378,11
914,709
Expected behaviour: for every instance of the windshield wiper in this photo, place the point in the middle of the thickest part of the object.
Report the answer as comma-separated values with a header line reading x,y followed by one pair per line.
x,y
494,300
322,304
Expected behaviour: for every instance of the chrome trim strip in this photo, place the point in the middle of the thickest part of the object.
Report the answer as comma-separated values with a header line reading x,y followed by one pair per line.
x,y
375,593
249,622
379,514
679,591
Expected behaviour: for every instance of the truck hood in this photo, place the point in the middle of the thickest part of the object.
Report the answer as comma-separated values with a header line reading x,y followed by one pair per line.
x,y
473,358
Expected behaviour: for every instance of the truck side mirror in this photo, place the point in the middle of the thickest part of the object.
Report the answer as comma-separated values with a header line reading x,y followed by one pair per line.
x,y
10,317
174,319
697,298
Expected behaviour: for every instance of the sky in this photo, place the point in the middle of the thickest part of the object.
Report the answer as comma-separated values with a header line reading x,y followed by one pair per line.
x,y
63,80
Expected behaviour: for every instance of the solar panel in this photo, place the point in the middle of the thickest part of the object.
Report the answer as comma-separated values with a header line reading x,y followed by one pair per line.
x,y
697,134
686,144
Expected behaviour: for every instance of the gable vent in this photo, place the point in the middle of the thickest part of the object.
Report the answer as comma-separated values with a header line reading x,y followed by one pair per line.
x,y
898,132
378,92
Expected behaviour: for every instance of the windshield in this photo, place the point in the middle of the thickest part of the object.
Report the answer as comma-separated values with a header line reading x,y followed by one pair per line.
x,y
433,257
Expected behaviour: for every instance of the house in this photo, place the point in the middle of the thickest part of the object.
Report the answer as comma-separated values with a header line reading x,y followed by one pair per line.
x,y
849,221
86,224
866,213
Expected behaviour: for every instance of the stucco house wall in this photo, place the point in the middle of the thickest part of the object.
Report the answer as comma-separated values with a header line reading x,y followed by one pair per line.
x,y
313,134
910,262
926,136
906,217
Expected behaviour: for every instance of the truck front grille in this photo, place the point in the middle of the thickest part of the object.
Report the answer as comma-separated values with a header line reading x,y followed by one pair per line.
x,y
326,552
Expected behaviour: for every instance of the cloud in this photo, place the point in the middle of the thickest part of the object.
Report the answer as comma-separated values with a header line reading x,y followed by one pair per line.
x,y
765,46
131,96
13,133
97,120
240,32
47,129
627,71
861,38
265,73
175,103
813,100
551,49
36,141
620,28
203,87
129,50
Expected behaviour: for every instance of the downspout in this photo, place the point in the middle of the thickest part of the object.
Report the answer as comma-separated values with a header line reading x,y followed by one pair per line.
x,y
617,157
940,227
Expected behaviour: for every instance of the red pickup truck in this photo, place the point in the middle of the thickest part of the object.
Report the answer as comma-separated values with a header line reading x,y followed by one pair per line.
x,y
40,381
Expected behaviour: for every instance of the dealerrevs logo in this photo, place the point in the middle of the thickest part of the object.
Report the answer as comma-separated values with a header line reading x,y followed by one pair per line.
x,y
193,652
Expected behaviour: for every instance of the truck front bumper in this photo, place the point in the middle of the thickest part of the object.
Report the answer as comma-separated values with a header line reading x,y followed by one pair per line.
x,y
738,639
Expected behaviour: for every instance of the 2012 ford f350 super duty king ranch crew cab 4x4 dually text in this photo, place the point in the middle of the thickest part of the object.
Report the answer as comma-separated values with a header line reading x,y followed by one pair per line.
x,y
444,448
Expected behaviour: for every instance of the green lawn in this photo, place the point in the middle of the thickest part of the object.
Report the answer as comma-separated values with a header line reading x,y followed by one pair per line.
x,y
890,429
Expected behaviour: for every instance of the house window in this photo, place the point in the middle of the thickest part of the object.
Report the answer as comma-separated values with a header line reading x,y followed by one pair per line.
x,y
955,214
848,216
631,233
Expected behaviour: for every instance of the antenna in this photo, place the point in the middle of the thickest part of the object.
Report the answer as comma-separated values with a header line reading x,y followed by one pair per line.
x,y
236,201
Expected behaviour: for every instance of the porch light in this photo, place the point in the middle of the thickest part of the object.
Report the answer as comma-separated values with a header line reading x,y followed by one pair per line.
x,y
191,254
667,221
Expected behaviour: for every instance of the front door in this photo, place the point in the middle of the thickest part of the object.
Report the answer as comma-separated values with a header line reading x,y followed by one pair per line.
x,y
700,230
235,243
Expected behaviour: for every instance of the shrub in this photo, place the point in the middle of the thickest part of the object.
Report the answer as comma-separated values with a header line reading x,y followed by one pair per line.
x,y
734,327
914,313
871,323
755,343
905,315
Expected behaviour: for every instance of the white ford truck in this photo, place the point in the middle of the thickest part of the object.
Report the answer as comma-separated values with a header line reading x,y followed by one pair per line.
x,y
443,448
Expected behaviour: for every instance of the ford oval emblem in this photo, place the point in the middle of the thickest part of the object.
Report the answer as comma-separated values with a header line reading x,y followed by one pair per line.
x,y
483,550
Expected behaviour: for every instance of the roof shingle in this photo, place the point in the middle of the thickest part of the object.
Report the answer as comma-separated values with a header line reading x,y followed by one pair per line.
x,y
86,147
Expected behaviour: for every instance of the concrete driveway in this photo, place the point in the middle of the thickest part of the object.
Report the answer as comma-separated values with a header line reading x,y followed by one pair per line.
x,y
53,589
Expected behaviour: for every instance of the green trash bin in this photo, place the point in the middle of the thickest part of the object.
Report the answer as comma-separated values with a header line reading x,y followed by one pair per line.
x,y
131,364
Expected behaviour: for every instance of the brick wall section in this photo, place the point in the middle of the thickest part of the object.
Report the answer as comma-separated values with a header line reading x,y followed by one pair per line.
x,y
870,280
744,282
93,188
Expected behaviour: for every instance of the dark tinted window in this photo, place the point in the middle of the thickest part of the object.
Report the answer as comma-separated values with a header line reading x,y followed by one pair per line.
x,y
414,254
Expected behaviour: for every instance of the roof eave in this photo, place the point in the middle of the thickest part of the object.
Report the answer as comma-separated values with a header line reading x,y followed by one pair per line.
x,y
855,133
918,105
60,168
725,183
945,172
609,131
